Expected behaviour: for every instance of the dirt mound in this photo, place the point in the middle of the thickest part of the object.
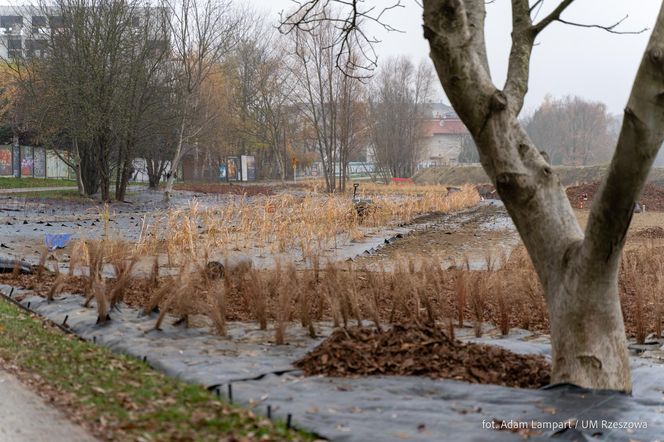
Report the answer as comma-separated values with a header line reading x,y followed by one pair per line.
x,y
569,175
655,232
652,196
487,191
221,188
422,350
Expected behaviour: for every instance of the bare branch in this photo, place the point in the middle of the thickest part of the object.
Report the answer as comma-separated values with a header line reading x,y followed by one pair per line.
x,y
537,5
554,15
349,30
610,28
523,37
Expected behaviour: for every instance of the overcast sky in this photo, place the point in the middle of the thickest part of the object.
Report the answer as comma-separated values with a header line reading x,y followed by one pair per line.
x,y
567,61
590,63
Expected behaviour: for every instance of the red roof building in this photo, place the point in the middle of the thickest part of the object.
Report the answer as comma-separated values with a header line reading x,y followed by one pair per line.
x,y
442,140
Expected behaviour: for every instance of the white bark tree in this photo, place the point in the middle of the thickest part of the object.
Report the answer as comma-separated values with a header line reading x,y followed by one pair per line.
x,y
578,269
202,33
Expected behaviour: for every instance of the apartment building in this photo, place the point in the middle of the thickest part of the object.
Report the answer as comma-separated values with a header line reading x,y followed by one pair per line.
x,y
23,30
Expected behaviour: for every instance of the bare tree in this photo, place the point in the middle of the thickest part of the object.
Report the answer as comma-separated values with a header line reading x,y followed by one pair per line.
x,y
352,125
202,33
578,270
261,95
397,106
143,79
468,152
572,131
84,90
322,93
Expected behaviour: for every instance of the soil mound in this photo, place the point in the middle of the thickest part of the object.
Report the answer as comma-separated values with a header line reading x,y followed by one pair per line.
x,y
652,196
473,173
422,350
655,232
487,191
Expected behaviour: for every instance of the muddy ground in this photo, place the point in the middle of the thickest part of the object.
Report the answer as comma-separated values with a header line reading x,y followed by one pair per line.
x,y
449,239
486,231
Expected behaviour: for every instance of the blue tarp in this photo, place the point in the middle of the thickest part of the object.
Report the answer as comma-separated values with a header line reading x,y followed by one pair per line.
x,y
57,241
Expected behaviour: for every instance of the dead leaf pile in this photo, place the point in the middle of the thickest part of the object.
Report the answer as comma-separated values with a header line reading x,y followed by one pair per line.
x,y
422,350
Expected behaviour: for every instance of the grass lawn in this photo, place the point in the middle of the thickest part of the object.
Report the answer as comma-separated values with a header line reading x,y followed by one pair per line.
x,y
51,194
119,397
16,183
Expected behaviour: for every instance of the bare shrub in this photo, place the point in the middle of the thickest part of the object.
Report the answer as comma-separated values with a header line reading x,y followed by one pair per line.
x,y
504,308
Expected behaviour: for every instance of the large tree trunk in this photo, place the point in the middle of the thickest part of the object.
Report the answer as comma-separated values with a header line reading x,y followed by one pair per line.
x,y
88,170
578,272
155,168
123,181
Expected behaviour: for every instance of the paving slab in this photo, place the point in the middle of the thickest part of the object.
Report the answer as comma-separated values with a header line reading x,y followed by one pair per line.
x,y
25,417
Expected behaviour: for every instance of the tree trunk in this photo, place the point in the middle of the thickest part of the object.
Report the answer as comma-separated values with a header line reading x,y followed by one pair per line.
x,y
88,170
578,271
587,330
77,169
175,163
123,182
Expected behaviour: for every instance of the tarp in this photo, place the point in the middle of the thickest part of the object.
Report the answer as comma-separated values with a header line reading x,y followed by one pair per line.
x,y
382,408
57,240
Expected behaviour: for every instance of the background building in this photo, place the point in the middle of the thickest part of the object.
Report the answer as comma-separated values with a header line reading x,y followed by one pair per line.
x,y
443,135
23,30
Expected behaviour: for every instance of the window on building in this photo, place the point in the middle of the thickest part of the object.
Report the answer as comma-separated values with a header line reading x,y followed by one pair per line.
x,y
56,21
14,43
36,47
10,22
39,21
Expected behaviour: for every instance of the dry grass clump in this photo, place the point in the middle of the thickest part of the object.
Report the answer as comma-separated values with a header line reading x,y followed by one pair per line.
x,y
508,295
286,223
642,290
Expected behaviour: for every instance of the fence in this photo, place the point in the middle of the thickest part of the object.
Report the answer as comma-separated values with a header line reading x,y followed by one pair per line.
x,y
34,162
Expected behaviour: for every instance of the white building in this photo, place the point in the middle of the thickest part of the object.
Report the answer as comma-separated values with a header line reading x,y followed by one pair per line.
x,y
443,134
23,30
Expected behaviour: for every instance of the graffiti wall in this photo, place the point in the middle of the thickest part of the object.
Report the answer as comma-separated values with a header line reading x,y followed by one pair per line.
x,y
6,161
27,161
39,167
16,160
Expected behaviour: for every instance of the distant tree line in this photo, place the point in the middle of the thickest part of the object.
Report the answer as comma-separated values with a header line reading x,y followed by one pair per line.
x,y
573,131
116,81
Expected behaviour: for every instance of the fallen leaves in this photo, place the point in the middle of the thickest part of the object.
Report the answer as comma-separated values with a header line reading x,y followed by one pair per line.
x,y
422,350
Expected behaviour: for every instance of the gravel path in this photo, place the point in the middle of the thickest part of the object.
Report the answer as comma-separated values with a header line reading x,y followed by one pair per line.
x,y
24,417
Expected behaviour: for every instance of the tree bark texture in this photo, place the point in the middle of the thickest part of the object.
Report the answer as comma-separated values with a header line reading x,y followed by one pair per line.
x,y
578,270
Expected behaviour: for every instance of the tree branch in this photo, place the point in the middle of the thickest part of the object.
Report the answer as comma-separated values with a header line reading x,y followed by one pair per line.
x,y
641,136
350,36
523,37
609,28
554,15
